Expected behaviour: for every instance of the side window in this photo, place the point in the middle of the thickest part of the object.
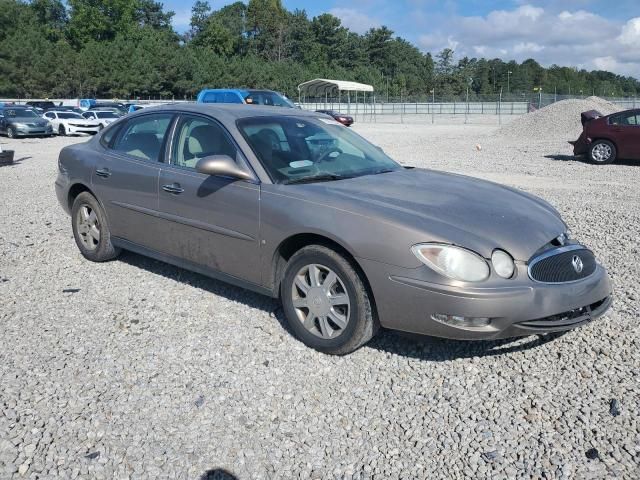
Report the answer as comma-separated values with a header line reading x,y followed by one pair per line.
x,y
197,138
143,137
231,97
211,97
49,115
108,135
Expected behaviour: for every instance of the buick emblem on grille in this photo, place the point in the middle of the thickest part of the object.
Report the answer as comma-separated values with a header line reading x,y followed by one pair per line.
x,y
576,261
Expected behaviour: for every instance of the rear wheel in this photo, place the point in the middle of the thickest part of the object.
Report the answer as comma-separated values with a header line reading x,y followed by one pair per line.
x,y
90,229
62,131
326,302
602,152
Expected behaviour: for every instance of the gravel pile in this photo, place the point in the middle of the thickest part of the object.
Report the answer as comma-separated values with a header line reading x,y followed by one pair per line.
x,y
136,369
558,121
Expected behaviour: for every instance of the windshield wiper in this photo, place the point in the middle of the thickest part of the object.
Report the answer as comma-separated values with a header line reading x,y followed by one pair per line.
x,y
323,177
384,170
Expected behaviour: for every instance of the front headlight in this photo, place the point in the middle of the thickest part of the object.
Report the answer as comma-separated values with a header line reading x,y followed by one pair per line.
x,y
454,262
503,263
20,125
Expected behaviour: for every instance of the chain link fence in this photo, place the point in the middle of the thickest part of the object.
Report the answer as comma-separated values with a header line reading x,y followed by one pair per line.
x,y
480,109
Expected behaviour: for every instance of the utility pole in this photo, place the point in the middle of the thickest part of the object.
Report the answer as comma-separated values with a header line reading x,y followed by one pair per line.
x,y
508,76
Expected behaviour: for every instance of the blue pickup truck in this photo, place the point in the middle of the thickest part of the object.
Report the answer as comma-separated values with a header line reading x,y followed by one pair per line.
x,y
249,97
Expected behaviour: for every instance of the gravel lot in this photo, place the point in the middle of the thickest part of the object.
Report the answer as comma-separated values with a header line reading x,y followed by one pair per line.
x,y
136,369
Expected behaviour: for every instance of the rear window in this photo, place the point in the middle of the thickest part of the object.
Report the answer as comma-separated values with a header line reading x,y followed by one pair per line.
x,y
143,137
257,97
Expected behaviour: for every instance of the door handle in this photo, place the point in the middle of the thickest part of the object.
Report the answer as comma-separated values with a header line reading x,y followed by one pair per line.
x,y
174,188
103,172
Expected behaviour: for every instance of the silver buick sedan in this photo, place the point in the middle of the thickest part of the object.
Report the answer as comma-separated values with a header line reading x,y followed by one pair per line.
x,y
294,205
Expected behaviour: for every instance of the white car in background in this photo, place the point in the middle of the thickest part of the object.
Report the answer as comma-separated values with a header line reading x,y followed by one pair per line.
x,y
71,123
104,117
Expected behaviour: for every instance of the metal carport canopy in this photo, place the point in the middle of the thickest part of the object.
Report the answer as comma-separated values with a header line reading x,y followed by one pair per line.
x,y
322,86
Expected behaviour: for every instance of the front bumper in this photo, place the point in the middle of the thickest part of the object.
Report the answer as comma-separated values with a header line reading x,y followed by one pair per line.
x,y
406,302
33,131
74,130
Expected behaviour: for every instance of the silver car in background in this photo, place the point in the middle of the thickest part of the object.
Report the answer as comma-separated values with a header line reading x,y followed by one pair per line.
x,y
19,121
293,205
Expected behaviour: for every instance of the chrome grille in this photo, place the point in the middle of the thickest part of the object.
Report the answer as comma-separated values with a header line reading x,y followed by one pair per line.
x,y
560,265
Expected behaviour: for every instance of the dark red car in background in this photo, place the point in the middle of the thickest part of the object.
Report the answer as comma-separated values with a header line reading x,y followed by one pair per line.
x,y
606,138
346,120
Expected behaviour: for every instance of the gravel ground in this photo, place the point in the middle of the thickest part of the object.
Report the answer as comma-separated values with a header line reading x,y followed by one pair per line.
x,y
136,369
559,121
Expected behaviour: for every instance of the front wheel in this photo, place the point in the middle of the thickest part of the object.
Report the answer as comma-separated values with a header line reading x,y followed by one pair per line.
x,y
11,133
90,229
326,302
602,152
62,131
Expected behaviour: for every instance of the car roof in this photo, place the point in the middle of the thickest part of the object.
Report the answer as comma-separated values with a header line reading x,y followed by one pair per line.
x,y
229,111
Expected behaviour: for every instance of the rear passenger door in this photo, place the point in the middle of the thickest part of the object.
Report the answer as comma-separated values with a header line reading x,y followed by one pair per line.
x,y
210,221
626,134
125,177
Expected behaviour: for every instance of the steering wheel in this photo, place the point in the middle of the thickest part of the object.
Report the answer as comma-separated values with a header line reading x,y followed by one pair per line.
x,y
326,155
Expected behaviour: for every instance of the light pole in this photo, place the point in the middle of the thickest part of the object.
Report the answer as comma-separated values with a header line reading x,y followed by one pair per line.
x,y
466,113
509,72
433,106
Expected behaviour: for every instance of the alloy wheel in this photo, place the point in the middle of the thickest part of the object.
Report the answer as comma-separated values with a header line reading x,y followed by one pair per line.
x,y
601,152
88,227
321,301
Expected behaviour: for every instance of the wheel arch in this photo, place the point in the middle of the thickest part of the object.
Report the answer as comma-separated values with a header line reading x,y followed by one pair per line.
x,y
603,138
292,244
75,190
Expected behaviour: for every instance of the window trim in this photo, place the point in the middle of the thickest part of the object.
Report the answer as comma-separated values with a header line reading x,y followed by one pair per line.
x,y
240,156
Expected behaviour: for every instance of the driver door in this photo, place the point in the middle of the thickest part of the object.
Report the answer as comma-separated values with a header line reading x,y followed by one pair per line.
x,y
210,221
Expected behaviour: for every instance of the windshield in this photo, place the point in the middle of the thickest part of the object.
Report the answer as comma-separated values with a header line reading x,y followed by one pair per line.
x,y
20,113
68,115
267,98
295,149
107,115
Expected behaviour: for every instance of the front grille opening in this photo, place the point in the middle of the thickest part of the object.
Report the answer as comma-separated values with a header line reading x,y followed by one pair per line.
x,y
563,267
565,320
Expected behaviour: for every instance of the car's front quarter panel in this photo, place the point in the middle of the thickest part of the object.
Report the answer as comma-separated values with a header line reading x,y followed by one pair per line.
x,y
284,214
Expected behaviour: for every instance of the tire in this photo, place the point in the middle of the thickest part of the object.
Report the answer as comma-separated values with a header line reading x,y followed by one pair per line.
x,y
11,133
100,127
602,152
87,213
62,131
334,328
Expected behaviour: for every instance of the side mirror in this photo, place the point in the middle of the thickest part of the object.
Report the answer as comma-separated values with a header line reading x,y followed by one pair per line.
x,y
222,165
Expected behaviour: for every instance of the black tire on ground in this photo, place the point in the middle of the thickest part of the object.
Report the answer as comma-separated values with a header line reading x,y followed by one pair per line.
x,y
62,131
602,152
362,323
11,133
103,250
100,127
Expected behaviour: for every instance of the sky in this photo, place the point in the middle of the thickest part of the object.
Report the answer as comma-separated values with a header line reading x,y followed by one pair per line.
x,y
590,34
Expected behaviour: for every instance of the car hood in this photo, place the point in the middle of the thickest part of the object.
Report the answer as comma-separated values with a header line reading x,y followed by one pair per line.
x,y
450,208
30,120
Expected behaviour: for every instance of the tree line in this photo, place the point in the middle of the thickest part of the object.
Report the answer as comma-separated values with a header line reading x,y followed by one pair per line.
x,y
129,49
